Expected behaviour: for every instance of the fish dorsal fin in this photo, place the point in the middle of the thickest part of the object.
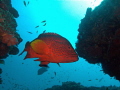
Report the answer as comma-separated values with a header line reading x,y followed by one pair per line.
x,y
39,46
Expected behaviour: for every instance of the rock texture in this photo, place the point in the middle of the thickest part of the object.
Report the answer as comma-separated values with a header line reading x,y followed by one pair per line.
x,y
99,37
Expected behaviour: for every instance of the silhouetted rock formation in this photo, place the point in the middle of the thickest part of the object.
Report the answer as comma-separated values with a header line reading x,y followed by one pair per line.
x,y
99,37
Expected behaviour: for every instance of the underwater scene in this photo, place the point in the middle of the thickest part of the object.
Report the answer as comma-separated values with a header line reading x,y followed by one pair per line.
x,y
59,45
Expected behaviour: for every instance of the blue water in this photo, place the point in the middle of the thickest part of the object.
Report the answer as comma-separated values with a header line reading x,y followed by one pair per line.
x,y
62,17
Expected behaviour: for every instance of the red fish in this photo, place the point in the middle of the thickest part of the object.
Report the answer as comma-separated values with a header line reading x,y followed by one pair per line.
x,y
50,48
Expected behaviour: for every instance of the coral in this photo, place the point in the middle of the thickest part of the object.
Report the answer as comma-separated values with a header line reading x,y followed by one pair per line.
x,y
2,62
7,22
2,19
14,12
4,49
99,37
6,5
3,5
69,85
9,39
13,50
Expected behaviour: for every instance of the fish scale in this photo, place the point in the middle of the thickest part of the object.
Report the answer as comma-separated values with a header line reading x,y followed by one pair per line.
x,y
59,46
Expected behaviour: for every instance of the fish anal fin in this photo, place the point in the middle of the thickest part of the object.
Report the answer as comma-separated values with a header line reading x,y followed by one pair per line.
x,y
37,60
44,58
44,64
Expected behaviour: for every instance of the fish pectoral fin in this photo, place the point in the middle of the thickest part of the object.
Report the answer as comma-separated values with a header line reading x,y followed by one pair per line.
x,y
44,64
39,46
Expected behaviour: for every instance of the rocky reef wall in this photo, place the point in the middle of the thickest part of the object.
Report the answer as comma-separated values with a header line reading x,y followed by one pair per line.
x,y
99,37
9,38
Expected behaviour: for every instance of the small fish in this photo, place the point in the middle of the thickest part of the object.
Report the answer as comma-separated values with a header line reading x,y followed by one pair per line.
x,y
2,62
89,80
42,70
28,3
44,31
37,31
30,32
43,21
37,26
100,80
50,48
44,24
52,77
24,3
55,73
